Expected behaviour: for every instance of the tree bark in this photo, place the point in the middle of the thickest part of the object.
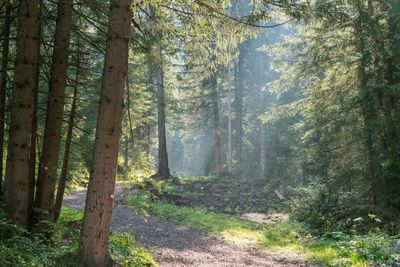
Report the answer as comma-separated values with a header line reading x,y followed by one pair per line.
x,y
34,142
35,137
262,139
392,177
231,67
3,84
216,127
377,73
147,143
126,153
238,105
149,123
25,78
392,135
163,167
44,199
99,202
71,121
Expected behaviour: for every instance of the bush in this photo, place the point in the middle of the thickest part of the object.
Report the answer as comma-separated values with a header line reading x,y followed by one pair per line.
x,y
344,219
19,247
324,210
373,248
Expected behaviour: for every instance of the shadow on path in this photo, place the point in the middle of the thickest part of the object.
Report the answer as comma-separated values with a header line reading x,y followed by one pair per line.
x,y
174,245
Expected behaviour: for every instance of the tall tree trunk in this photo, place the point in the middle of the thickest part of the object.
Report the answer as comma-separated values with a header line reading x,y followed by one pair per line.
x,y
126,152
44,199
230,69
163,168
34,142
377,73
392,176
71,121
392,135
25,79
366,107
100,195
5,34
238,105
147,144
262,138
128,108
149,123
216,127
35,136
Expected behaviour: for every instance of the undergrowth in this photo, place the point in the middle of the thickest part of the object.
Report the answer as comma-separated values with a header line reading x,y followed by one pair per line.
x,y
19,247
225,194
335,249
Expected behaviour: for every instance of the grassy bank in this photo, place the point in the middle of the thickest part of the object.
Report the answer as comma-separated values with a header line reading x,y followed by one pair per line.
x,y
336,249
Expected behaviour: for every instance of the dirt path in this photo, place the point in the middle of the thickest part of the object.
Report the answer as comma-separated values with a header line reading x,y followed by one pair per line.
x,y
174,245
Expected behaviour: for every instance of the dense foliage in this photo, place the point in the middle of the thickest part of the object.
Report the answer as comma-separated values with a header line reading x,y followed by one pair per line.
x,y
19,247
341,63
261,105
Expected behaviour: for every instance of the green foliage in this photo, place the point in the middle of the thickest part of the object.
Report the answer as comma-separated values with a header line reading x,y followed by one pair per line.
x,y
136,173
277,113
139,200
323,210
125,250
350,228
373,248
189,180
18,247
68,227
320,208
349,129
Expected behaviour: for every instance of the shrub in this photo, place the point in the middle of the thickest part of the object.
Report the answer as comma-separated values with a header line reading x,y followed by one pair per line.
x,y
324,210
19,247
373,248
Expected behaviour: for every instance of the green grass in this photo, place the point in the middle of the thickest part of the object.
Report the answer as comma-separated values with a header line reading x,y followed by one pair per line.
x,y
125,250
280,236
287,237
20,248
188,180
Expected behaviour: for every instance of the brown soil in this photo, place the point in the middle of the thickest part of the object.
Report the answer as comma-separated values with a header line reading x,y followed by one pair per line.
x,y
174,245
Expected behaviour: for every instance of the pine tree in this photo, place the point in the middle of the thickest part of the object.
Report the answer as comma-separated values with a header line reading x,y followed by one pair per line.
x,y
44,199
3,83
18,183
99,202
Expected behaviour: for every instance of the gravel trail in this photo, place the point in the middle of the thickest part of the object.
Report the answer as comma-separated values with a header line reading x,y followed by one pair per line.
x,y
174,245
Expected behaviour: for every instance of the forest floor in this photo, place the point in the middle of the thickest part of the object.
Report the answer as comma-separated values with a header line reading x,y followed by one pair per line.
x,y
173,244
